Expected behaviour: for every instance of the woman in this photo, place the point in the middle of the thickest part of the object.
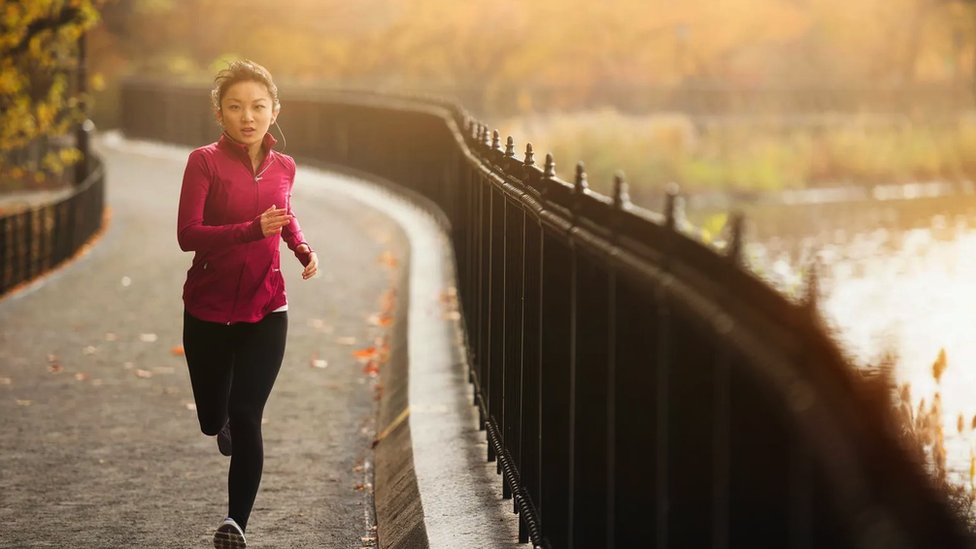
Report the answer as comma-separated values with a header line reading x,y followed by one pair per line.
x,y
234,210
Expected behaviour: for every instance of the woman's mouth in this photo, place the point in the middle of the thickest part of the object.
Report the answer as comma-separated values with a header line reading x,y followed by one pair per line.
x,y
248,131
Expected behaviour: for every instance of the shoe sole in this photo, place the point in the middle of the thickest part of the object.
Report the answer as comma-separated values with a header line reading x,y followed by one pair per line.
x,y
228,539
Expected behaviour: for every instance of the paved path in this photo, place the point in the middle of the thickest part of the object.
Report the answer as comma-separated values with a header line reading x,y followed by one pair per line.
x,y
98,444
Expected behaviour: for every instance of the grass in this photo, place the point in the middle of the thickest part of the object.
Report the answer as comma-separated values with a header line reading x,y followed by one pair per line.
x,y
750,154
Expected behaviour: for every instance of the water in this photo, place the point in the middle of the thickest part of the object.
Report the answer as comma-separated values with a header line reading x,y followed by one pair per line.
x,y
914,300
906,293
897,277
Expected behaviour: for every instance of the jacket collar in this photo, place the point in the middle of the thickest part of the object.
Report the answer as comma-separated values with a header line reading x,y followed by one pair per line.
x,y
231,144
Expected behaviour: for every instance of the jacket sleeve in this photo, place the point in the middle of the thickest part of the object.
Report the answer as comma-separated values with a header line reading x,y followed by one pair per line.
x,y
191,232
292,233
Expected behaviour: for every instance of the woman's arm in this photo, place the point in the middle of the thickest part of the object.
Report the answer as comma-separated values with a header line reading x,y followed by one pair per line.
x,y
191,233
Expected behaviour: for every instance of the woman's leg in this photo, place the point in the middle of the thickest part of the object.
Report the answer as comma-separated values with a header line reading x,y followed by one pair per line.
x,y
209,359
259,348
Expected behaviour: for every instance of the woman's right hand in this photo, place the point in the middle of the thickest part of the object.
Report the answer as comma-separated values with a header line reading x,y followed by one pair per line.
x,y
273,219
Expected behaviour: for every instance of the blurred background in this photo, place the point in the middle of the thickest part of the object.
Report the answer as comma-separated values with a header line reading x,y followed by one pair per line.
x,y
844,130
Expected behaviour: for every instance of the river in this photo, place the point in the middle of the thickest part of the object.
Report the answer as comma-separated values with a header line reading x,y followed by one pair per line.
x,y
897,278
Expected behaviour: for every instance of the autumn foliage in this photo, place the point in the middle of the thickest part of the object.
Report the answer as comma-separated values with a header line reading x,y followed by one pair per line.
x,y
39,96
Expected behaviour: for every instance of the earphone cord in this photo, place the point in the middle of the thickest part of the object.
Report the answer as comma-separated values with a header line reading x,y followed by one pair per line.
x,y
283,138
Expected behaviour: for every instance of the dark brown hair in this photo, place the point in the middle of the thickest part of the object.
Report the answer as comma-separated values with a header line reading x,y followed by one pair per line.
x,y
242,70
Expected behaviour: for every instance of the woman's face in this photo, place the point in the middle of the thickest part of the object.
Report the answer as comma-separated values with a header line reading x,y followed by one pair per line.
x,y
246,112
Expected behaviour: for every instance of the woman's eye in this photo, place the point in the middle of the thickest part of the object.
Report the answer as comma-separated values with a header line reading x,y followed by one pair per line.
x,y
259,107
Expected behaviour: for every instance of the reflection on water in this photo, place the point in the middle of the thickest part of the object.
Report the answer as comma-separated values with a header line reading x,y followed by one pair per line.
x,y
914,300
907,293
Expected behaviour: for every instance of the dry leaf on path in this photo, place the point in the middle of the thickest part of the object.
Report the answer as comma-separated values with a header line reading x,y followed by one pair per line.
x,y
177,350
388,259
145,374
346,340
24,402
81,376
365,354
55,368
148,338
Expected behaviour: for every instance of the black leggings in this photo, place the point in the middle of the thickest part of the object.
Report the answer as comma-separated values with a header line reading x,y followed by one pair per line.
x,y
232,369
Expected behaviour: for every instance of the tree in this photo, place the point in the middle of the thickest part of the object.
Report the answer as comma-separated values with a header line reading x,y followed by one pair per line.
x,y
39,98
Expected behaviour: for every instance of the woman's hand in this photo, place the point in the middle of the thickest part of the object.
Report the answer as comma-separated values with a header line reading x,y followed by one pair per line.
x,y
312,267
273,219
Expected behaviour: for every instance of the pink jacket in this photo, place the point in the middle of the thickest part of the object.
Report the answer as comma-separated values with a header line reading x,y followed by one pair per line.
x,y
236,271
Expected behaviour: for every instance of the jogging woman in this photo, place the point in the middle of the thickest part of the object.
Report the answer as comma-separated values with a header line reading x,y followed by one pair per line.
x,y
235,208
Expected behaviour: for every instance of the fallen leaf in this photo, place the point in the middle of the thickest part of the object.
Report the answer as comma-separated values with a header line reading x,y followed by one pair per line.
x,y
81,376
371,369
148,338
381,320
346,340
5,381
452,315
109,336
177,350
89,350
24,402
128,365
319,363
191,406
145,374
55,368
365,354
52,358
126,282
357,469
387,259
359,487
264,421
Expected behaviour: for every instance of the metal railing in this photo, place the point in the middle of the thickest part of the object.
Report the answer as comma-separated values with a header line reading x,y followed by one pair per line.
x,y
37,239
638,388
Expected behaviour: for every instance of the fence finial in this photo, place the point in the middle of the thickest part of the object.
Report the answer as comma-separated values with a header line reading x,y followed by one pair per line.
x,y
485,137
496,144
621,191
736,236
510,147
670,205
579,183
550,169
811,294
529,155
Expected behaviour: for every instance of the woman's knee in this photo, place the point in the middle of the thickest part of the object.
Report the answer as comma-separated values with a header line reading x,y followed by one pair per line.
x,y
211,425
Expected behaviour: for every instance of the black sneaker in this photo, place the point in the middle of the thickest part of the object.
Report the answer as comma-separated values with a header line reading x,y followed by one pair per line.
x,y
229,535
223,440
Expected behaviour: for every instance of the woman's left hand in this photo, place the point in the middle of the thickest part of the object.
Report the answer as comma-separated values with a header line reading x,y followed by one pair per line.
x,y
312,268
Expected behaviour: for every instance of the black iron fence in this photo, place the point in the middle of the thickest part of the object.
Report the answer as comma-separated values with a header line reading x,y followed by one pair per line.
x,y
35,239
638,388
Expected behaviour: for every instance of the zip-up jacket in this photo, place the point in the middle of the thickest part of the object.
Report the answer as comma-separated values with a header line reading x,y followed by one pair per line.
x,y
236,271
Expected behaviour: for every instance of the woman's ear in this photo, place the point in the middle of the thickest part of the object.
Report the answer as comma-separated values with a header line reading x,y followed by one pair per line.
x,y
277,110
219,117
